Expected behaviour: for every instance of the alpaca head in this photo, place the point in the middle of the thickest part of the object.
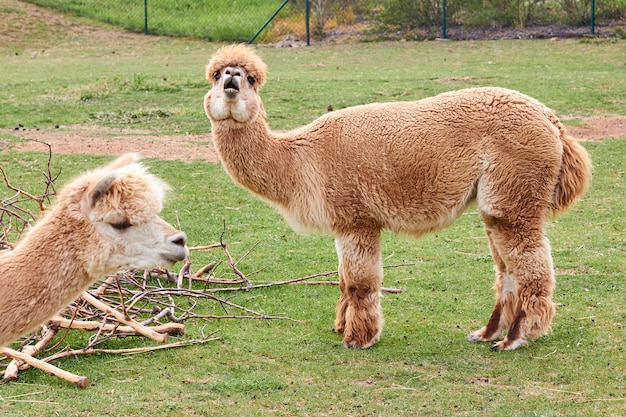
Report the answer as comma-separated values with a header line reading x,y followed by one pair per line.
x,y
119,205
237,74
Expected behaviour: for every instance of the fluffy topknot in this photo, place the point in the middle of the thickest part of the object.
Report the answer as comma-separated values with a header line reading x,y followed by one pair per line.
x,y
237,55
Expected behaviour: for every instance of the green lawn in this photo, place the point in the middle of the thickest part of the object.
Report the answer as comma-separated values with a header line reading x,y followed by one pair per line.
x,y
422,365
202,19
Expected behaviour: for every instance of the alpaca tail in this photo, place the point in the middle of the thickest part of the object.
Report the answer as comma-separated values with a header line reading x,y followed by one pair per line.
x,y
575,173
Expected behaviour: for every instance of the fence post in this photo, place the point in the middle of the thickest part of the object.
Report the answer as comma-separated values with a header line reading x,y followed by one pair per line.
x,y
145,17
307,19
593,17
443,19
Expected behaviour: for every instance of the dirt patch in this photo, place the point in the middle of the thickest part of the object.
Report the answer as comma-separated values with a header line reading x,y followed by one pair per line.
x,y
98,140
598,128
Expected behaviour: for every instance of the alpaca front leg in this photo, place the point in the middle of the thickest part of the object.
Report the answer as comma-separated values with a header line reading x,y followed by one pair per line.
x,y
359,315
364,320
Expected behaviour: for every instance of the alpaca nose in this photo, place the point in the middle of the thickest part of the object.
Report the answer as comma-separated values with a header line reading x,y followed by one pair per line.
x,y
233,72
178,239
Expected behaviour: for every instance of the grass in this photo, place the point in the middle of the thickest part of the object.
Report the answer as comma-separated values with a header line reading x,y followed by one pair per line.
x,y
422,366
211,20
158,83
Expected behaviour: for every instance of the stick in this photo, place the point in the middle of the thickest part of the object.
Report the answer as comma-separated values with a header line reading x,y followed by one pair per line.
x,y
142,330
205,269
80,381
382,289
103,287
90,326
89,351
16,364
186,269
206,247
39,200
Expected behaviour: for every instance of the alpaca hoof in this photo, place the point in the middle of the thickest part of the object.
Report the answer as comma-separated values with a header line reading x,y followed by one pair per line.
x,y
474,337
508,345
480,336
360,344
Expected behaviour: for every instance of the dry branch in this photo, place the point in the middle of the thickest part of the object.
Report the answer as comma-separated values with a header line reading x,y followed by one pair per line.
x,y
174,329
132,351
81,381
122,318
13,368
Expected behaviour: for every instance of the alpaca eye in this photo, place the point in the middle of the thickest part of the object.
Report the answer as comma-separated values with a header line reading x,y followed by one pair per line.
x,y
217,76
251,80
121,226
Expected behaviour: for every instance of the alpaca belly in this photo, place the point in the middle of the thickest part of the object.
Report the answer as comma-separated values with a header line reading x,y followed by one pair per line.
x,y
423,212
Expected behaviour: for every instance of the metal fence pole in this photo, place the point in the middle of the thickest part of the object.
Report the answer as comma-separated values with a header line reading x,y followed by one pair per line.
x,y
593,17
307,19
145,17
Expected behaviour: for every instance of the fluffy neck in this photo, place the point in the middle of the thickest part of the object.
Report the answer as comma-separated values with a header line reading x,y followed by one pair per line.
x,y
256,158
44,273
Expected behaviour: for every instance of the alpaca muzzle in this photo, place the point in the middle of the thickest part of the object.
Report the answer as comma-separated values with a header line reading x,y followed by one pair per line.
x,y
176,248
231,85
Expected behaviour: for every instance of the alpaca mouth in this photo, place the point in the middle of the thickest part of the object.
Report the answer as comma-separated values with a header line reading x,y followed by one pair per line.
x,y
174,257
231,87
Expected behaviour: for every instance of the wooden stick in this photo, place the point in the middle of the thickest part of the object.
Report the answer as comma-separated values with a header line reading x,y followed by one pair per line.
x,y
142,330
106,284
16,364
205,269
80,381
90,326
206,247
382,289
186,269
131,351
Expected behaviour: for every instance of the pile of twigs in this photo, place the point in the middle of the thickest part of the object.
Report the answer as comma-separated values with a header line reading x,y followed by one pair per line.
x,y
131,303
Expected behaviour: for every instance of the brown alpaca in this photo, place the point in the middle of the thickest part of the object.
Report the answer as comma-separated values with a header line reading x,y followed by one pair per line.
x,y
103,221
410,167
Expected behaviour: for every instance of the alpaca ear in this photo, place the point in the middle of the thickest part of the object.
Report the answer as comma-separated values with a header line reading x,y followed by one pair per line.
x,y
100,189
124,160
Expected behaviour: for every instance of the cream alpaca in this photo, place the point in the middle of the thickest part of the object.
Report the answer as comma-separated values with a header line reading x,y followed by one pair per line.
x,y
103,221
410,167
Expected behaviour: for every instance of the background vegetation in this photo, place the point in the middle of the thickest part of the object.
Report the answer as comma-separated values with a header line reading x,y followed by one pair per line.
x,y
423,365
499,13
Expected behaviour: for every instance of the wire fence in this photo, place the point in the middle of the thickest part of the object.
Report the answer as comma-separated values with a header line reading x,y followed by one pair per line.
x,y
276,21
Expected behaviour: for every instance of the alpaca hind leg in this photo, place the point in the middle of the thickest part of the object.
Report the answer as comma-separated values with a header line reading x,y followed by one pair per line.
x,y
534,309
504,287
342,306
359,315
529,309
